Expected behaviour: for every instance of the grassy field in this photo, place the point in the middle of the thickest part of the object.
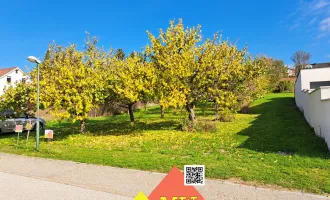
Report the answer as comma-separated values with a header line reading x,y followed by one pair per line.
x,y
271,145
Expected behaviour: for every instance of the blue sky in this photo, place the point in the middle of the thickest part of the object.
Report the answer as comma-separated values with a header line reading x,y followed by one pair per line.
x,y
276,28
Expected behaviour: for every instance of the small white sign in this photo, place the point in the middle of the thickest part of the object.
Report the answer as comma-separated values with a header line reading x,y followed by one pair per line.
x,y
19,128
49,134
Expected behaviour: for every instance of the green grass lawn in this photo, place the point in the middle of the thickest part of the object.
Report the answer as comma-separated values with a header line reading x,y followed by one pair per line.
x,y
248,149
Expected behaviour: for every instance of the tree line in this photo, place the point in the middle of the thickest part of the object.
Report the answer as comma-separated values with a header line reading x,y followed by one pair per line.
x,y
177,69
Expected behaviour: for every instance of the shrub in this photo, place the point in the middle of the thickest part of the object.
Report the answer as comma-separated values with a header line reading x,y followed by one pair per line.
x,y
245,109
226,115
197,126
285,86
205,126
186,125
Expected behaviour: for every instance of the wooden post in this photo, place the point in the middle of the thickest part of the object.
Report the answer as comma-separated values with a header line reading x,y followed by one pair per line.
x,y
48,144
28,126
17,137
27,137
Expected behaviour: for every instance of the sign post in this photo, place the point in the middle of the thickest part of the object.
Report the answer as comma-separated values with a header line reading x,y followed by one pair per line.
x,y
49,134
28,127
18,129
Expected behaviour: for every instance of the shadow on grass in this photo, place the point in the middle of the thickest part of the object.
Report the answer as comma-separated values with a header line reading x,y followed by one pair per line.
x,y
200,111
125,128
116,125
108,126
281,128
120,125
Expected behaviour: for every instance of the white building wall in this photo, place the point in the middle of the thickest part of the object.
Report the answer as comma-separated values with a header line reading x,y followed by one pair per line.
x,y
325,94
320,113
305,107
14,78
315,104
313,75
298,93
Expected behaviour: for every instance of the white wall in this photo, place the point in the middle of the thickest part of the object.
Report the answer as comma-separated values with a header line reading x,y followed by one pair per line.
x,y
315,104
319,113
14,78
313,75
298,93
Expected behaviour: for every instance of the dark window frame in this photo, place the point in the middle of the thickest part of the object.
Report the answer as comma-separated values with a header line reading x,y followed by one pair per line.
x,y
318,84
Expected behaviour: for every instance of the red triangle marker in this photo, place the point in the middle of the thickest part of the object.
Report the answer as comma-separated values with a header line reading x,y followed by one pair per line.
x,y
172,187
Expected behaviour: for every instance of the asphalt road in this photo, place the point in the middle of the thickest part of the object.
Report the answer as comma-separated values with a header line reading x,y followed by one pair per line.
x,y
15,187
30,178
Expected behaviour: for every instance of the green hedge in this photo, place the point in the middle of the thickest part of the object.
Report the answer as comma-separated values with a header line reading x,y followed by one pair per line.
x,y
285,86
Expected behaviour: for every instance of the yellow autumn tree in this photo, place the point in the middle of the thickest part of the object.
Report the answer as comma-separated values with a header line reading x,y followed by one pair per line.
x,y
224,71
173,56
71,81
129,80
190,70
20,98
256,81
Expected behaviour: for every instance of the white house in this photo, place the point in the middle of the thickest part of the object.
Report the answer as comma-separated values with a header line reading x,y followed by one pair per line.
x,y
291,72
312,96
10,76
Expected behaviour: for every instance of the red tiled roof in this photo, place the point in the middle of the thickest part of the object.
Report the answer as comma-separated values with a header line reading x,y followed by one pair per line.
x,y
4,71
292,79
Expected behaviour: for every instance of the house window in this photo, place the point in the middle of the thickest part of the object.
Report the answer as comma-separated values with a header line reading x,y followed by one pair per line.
x,y
16,71
8,79
315,85
23,80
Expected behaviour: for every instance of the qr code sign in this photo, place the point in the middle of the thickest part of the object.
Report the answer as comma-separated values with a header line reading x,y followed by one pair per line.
x,y
194,175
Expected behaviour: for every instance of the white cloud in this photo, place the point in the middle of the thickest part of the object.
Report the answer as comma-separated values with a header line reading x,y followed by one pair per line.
x,y
310,14
319,4
325,25
320,35
312,21
312,8
294,26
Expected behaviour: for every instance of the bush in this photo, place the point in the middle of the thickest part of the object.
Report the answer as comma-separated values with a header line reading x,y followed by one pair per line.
x,y
245,109
226,115
197,126
285,86
186,125
205,126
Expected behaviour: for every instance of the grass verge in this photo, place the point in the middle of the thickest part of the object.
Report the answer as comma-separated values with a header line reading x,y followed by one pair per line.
x,y
271,145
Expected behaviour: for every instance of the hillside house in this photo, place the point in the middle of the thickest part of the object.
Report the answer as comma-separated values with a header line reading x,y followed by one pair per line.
x,y
10,76
291,72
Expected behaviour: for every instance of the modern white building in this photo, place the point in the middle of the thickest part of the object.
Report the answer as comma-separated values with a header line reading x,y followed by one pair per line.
x,y
312,96
10,76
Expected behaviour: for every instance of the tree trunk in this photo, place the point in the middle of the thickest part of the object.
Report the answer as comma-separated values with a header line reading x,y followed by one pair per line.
x,y
216,107
191,113
162,111
83,126
130,112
